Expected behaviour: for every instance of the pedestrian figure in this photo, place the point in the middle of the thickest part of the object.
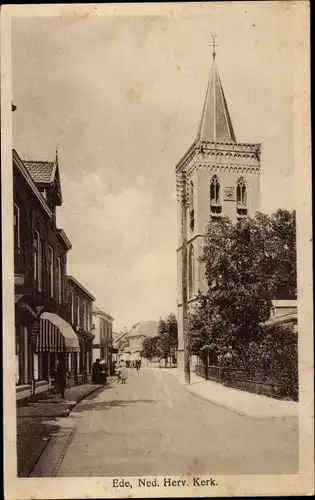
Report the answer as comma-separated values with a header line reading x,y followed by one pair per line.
x,y
138,364
96,372
123,372
60,378
103,372
118,372
113,370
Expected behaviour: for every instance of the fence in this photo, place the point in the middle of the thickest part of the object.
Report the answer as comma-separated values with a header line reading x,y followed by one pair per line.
x,y
239,379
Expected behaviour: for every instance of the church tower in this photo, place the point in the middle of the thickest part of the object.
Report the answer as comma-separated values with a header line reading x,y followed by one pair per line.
x,y
218,176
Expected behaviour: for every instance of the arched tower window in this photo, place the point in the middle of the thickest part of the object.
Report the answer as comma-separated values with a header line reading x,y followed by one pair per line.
x,y
191,272
191,207
241,198
215,201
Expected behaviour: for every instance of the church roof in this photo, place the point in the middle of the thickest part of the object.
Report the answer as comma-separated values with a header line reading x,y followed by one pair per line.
x,y
215,124
144,328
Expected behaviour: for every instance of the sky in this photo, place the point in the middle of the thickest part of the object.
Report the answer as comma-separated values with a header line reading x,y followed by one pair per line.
x,y
121,98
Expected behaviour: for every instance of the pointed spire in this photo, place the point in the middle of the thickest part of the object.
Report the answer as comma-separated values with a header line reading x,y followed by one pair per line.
x,y
56,158
216,124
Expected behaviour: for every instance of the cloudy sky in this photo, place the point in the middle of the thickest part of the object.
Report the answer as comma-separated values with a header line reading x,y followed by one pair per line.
x,y
121,97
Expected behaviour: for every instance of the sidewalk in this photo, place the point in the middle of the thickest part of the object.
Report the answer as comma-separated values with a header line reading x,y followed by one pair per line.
x,y
51,405
241,402
37,421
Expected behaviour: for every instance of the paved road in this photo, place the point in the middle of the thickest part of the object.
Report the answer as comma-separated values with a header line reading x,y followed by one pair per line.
x,y
153,426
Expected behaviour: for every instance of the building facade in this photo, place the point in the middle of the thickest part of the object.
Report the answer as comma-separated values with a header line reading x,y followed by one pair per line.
x,y
284,313
138,333
42,333
103,336
80,304
218,176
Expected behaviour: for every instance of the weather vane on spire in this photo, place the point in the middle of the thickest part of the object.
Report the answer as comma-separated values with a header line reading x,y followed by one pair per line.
x,y
214,45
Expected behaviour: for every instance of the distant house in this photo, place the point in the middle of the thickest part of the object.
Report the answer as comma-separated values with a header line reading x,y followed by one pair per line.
x,y
103,336
121,346
284,313
138,333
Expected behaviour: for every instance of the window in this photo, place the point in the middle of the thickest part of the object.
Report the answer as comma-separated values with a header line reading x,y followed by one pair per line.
x,y
51,272
191,272
17,227
88,315
40,265
78,311
37,261
85,309
215,202
191,207
59,281
72,307
241,198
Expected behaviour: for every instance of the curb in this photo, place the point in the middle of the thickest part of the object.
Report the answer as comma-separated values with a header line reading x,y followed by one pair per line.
x,y
232,408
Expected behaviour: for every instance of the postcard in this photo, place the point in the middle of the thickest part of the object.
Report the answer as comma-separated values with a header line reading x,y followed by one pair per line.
x,y
157,250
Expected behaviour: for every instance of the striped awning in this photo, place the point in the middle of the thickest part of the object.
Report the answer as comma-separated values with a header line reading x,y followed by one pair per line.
x,y
55,335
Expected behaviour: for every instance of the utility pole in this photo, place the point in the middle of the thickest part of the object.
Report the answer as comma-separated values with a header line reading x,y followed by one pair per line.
x,y
184,275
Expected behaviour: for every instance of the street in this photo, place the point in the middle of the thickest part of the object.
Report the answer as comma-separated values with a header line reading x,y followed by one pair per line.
x,y
153,426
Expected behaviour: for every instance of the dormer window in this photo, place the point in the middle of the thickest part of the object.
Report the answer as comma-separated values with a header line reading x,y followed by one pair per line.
x,y
241,199
215,202
191,207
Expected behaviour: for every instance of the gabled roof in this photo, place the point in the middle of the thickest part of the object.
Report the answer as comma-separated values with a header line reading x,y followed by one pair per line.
x,y
144,328
42,172
45,173
215,124
24,171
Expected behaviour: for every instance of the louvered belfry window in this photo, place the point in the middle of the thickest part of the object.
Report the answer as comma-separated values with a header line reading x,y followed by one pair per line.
x,y
241,198
215,201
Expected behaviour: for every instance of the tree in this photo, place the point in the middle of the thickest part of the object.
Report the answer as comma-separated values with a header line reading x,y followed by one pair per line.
x,y
246,266
151,348
168,336
165,343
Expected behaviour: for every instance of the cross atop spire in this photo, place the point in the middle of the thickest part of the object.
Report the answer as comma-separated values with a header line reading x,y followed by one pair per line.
x,y
216,124
214,45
